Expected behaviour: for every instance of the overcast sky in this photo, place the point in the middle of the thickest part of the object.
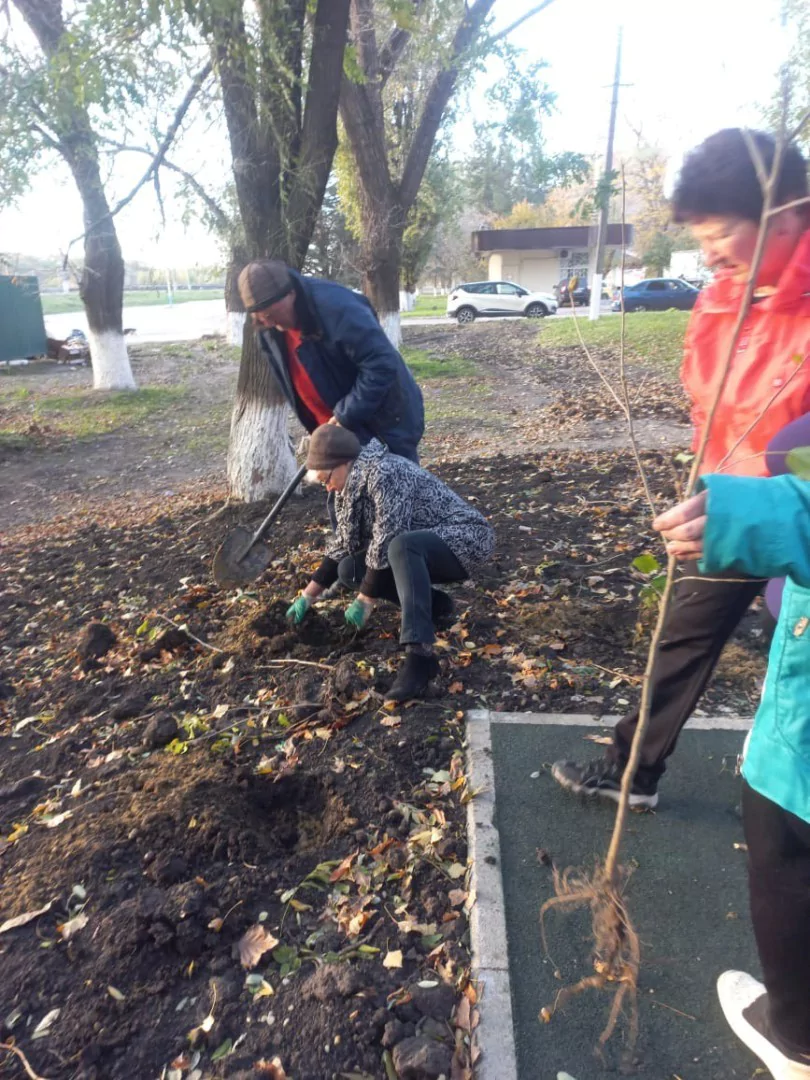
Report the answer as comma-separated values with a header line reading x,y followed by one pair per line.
x,y
692,68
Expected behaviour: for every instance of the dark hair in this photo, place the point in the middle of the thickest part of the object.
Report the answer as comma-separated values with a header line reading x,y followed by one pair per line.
x,y
719,177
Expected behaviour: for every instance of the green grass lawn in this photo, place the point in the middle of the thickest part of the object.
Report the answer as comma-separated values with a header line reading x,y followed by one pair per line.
x,y
652,336
57,303
84,414
425,366
427,305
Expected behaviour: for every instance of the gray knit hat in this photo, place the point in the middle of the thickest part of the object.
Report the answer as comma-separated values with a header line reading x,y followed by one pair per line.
x,y
264,282
330,446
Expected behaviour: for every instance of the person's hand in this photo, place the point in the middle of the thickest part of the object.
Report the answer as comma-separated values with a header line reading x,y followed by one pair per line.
x,y
358,612
298,609
683,527
334,420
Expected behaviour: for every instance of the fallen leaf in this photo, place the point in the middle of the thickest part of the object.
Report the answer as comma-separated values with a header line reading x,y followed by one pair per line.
x,y
116,994
463,1019
253,944
457,897
26,917
341,871
391,721
456,870
69,928
273,1069
603,740
455,687
216,924
393,959
57,819
42,1028
492,650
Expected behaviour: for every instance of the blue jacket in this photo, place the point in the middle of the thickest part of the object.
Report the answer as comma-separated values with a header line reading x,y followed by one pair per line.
x,y
353,366
761,526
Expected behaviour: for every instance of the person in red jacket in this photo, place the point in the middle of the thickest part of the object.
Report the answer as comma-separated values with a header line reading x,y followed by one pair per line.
x,y
719,195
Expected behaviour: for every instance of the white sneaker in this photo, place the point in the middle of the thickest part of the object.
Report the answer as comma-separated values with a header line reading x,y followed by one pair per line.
x,y
737,991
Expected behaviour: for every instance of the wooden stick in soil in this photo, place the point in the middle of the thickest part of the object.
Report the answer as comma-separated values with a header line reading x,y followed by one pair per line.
x,y
616,945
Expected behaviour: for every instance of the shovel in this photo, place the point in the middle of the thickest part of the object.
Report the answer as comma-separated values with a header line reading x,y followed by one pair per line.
x,y
242,557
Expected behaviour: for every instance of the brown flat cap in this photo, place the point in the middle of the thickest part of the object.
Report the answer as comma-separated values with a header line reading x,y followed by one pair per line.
x,y
263,282
330,446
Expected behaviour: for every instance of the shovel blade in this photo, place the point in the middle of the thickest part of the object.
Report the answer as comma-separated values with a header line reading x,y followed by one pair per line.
x,y
235,564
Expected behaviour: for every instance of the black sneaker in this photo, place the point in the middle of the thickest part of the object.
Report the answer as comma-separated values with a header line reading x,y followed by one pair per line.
x,y
602,777
442,606
413,677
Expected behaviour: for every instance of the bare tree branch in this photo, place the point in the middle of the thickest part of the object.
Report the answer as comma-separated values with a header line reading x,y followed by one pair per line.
x,y
195,87
395,47
519,22
223,222
436,102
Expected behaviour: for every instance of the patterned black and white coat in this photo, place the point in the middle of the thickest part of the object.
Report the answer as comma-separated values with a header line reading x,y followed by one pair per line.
x,y
386,495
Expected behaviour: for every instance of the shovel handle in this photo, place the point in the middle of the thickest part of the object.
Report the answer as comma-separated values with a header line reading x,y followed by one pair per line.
x,y
277,508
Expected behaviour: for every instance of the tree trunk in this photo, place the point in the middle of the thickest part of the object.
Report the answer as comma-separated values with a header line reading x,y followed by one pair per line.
x,y
234,308
260,458
381,260
102,284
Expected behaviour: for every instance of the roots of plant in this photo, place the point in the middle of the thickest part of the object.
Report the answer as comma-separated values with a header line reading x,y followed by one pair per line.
x,y
615,951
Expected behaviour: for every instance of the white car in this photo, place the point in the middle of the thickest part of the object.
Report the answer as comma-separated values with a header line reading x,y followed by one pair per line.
x,y
467,302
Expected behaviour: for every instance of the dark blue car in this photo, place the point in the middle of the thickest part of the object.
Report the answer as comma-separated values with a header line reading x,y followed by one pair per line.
x,y
658,294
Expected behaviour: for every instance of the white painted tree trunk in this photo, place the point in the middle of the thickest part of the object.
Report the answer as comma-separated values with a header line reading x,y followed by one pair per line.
x,y
110,360
236,327
260,461
392,325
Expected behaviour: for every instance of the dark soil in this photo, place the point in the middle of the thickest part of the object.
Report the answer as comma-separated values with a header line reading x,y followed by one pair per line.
x,y
201,769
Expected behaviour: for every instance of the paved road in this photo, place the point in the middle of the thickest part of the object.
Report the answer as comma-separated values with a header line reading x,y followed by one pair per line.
x,y
688,898
186,322
164,322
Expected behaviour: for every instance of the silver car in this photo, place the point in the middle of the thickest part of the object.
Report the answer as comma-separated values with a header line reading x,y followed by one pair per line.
x,y
467,302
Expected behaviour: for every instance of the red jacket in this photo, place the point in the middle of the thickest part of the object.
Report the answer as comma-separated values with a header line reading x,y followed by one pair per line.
x,y
775,340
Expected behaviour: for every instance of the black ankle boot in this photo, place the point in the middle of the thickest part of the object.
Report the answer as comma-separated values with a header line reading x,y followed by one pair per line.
x,y
442,606
413,677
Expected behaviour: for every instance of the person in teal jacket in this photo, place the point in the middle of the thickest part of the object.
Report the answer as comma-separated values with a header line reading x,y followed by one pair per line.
x,y
760,526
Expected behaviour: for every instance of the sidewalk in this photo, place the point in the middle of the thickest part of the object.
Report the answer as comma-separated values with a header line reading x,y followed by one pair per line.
x,y
687,897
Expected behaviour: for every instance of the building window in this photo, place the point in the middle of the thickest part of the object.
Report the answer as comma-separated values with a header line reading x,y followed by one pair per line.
x,y
575,264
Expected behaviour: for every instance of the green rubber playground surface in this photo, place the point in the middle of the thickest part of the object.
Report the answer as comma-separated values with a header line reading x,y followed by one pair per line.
x,y
687,898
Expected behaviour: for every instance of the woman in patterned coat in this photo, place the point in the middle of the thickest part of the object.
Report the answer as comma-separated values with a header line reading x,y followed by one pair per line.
x,y
399,530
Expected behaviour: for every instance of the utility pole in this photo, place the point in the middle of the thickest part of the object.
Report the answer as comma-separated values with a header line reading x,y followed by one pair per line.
x,y
599,262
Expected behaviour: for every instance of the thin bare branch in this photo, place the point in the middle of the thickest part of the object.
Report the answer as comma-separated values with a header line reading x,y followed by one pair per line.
x,y
796,132
804,201
196,85
519,22
223,222
12,1049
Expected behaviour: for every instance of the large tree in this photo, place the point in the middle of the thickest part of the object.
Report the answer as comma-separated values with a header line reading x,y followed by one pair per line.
x,y
406,63
67,76
279,65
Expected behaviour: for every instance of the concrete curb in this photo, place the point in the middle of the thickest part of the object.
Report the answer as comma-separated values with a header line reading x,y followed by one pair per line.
x,y
495,1034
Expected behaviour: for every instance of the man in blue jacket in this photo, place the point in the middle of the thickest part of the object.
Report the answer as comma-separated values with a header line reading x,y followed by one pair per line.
x,y
330,356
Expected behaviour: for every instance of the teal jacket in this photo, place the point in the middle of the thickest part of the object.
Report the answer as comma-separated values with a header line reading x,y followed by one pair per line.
x,y
761,526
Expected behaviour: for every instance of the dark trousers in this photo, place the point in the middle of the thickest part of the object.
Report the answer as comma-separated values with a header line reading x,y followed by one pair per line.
x,y
416,560
702,617
779,887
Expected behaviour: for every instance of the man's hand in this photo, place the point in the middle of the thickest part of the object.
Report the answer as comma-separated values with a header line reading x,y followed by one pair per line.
x,y
359,612
683,527
334,420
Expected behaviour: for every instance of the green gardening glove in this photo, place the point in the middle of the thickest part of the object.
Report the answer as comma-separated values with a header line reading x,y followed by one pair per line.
x,y
298,609
357,614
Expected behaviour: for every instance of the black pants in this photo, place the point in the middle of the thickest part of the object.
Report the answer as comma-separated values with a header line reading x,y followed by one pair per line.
x,y
779,887
701,618
417,560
